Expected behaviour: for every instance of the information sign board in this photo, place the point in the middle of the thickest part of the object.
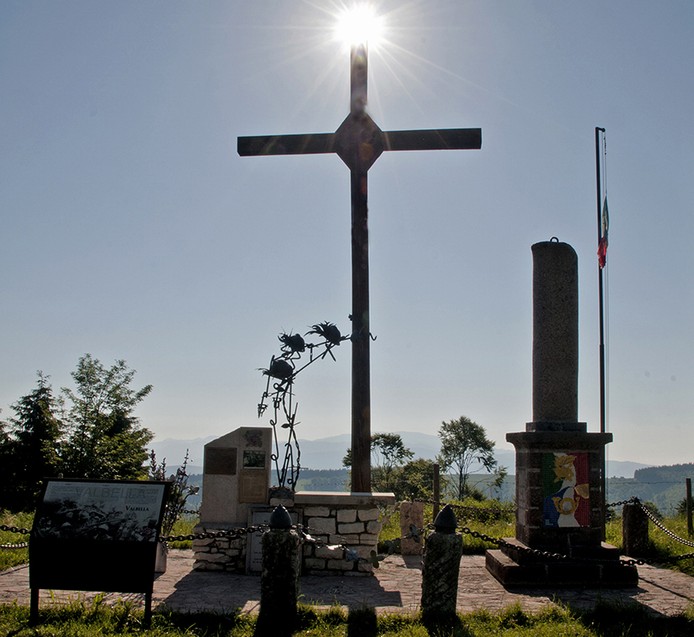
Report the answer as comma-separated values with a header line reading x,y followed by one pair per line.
x,y
96,535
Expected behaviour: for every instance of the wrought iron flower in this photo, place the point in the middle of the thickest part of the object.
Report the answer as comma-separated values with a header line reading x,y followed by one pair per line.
x,y
292,343
280,369
328,331
285,367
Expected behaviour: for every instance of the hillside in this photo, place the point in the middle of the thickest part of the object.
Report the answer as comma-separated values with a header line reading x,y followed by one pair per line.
x,y
663,486
327,453
322,469
665,495
665,474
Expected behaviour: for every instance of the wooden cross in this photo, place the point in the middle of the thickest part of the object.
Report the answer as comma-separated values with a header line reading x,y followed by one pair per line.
x,y
359,142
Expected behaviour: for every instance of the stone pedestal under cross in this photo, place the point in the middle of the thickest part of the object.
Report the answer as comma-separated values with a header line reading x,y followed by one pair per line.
x,y
359,142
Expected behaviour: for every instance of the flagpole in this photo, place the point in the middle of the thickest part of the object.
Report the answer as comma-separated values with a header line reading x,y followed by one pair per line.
x,y
600,283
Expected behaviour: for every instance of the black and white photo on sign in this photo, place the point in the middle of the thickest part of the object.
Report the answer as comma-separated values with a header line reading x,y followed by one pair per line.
x,y
121,512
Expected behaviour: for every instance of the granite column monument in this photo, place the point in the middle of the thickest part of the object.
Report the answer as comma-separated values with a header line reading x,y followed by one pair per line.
x,y
560,466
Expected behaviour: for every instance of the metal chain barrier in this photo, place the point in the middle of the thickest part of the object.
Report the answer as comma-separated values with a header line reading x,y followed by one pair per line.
x,y
545,554
19,531
481,514
558,556
633,562
18,545
501,543
206,535
677,558
653,518
416,534
15,529
631,500
304,532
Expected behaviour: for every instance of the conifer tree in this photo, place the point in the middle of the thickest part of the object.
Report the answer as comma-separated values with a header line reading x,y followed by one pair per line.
x,y
30,447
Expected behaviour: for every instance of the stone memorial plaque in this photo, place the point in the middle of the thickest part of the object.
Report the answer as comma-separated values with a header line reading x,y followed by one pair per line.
x,y
253,487
236,475
253,459
220,461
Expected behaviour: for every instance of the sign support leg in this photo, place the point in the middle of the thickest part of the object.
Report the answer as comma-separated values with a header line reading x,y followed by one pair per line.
x,y
34,607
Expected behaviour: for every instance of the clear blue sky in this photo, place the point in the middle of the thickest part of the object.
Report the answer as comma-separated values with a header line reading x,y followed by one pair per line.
x,y
131,229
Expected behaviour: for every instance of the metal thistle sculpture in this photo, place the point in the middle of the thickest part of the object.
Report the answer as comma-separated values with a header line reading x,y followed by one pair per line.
x,y
279,391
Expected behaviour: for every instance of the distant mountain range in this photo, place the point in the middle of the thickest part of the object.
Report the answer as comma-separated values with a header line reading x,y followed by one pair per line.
x,y
327,453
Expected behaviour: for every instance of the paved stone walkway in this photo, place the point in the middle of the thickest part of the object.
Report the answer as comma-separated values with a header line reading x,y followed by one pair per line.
x,y
395,588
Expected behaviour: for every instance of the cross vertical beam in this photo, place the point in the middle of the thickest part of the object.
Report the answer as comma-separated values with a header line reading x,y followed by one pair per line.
x,y
361,355
359,142
361,340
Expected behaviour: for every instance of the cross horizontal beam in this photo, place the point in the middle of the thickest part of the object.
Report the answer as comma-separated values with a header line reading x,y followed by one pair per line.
x,y
306,144
318,143
436,139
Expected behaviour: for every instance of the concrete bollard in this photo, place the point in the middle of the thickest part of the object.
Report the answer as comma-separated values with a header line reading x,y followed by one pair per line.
x,y
442,554
279,584
634,530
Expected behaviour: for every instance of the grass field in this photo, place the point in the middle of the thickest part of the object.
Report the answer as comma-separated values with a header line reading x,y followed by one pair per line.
x,y
91,620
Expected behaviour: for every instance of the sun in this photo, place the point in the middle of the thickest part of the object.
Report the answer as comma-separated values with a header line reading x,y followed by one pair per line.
x,y
359,24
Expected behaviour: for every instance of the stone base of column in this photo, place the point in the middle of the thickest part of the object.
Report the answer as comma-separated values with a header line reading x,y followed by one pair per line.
x,y
599,568
560,487
560,508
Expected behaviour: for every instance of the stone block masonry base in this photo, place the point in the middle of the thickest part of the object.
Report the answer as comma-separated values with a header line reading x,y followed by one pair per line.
x,y
333,519
219,554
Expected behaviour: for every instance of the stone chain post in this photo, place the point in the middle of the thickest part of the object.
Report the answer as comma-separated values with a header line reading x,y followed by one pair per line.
x,y
634,530
279,584
442,554
411,515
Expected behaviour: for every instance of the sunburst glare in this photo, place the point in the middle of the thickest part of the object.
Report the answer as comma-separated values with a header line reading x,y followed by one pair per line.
x,y
359,24
397,32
